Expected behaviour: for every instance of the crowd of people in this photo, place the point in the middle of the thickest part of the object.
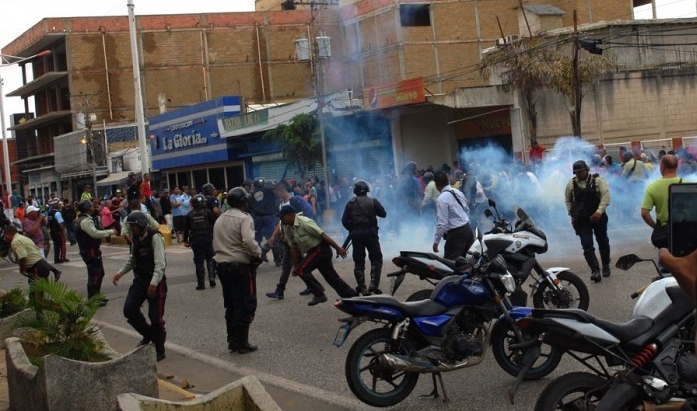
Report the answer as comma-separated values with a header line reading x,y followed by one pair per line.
x,y
231,232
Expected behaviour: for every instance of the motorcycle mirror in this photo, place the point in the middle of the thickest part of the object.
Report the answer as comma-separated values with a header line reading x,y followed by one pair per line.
x,y
492,203
488,213
627,261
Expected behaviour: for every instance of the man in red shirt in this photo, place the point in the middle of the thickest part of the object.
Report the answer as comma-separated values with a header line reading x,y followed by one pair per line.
x,y
536,152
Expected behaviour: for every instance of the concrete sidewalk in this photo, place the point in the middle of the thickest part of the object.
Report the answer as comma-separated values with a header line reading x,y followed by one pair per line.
x,y
200,374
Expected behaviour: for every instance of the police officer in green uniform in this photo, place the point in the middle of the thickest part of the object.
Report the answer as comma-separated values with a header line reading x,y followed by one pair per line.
x,y
587,197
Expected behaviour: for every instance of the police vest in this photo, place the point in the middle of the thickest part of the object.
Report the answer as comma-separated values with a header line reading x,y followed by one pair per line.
x,y
144,255
53,224
84,240
585,200
362,212
200,221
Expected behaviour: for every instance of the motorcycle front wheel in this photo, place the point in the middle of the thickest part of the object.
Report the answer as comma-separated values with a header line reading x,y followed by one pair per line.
x,y
575,391
373,382
510,360
572,293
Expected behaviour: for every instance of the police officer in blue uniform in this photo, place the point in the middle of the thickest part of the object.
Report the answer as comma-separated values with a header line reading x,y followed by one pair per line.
x,y
198,234
360,219
212,202
263,207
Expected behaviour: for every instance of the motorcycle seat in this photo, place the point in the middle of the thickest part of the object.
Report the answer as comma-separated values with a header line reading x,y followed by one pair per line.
x,y
623,331
424,308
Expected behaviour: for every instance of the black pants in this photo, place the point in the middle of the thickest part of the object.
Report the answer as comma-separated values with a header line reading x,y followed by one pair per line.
x,y
320,258
95,270
239,284
286,267
41,269
459,242
202,246
366,240
137,295
59,247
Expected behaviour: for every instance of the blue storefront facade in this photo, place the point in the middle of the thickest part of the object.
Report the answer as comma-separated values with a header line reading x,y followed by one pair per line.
x,y
186,147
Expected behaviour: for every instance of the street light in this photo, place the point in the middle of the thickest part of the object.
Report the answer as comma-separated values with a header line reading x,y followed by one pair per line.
x,y
6,60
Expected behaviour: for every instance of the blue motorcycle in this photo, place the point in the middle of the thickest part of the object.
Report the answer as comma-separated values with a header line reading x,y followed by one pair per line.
x,y
465,314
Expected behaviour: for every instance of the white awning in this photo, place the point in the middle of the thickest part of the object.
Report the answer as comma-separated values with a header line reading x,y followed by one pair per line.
x,y
114,178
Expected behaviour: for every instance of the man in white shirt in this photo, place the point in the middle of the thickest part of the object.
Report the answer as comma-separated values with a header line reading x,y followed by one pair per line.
x,y
452,220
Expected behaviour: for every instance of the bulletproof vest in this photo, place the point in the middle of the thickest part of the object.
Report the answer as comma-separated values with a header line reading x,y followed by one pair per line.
x,y
200,223
585,200
53,224
84,241
212,202
362,212
144,255
263,202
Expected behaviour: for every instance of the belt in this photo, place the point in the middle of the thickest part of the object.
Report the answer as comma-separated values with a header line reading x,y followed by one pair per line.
x,y
232,264
462,227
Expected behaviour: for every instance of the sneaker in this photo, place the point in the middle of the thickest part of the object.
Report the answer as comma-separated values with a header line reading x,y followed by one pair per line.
x,y
606,271
595,277
306,291
317,300
277,295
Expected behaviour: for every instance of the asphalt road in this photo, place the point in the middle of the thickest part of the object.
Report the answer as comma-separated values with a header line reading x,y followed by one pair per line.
x,y
294,340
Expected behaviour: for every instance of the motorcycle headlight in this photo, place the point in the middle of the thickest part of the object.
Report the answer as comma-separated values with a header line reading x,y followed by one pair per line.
x,y
508,282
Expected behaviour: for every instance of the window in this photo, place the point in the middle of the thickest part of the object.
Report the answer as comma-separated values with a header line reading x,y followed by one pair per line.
x,y
415,15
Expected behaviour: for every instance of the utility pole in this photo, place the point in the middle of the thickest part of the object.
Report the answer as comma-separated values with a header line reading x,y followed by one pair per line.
x,y
577,83
140,114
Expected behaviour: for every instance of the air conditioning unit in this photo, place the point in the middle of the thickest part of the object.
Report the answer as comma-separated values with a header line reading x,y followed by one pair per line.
x,y
500,42
511,38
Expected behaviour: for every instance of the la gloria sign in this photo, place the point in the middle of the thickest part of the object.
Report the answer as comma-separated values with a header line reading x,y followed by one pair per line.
x,y
183,141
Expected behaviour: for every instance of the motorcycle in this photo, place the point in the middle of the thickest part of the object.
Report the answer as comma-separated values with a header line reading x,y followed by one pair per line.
x,y
647,363
452,329
556,287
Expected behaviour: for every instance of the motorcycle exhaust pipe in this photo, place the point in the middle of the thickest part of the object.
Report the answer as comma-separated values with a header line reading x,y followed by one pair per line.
x,y
670,406
422,366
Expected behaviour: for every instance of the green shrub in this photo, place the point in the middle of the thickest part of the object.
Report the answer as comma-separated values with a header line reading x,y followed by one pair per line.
x,y
12,302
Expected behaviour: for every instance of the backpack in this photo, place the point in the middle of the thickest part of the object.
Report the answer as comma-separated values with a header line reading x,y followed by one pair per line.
x,y
305,206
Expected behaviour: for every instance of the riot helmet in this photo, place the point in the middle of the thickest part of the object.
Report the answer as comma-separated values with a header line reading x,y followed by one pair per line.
x,y
207,189
360,188
137,218
199,201
237,197
579,166
259,182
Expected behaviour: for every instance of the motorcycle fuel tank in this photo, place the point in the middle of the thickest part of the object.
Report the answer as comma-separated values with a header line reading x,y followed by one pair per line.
x,y
655,299
468,292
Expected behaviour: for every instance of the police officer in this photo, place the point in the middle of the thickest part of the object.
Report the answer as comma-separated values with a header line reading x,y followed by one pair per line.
x,y
147,260
89,239
587,197
360,219
56,226
198,233
212,202
237,256
263,208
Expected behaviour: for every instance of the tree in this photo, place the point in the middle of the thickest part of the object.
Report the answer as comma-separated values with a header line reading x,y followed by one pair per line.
x,y
534,63
299,143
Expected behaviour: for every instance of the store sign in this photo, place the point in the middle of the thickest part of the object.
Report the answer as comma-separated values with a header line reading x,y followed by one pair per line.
x,y
402,93
244,120
183,141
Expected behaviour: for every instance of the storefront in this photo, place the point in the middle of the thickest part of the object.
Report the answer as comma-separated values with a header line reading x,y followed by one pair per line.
x,y
187,149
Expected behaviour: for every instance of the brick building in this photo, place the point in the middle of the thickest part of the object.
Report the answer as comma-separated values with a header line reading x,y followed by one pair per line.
x,y
375,45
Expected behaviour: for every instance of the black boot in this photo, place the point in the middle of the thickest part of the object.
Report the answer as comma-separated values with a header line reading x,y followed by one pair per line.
x,y
200,277
375,280
233,340
360,281
142,327
605,259
593,264
158,338
211,273
244,346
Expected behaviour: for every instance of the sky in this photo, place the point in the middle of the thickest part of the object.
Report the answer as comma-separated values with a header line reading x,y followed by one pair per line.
x,y
17,16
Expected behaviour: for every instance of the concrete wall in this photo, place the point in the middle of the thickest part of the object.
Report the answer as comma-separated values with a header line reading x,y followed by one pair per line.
x,y
427,139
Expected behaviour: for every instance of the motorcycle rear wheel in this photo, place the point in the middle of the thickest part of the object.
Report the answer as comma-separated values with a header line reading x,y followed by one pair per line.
x,y
575,391
371,382
574,293
509,361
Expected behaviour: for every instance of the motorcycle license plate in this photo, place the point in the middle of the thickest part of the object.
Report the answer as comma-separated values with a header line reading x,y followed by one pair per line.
x,y
341,334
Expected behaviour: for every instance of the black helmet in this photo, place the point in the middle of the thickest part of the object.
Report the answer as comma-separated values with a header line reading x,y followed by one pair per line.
x,y
580,165
84,205
137,218
237,197
259,182
199,201
360,188
208,189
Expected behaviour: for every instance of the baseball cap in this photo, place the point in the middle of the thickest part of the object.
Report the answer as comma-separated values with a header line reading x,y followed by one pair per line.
x,y
287,209
31,209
